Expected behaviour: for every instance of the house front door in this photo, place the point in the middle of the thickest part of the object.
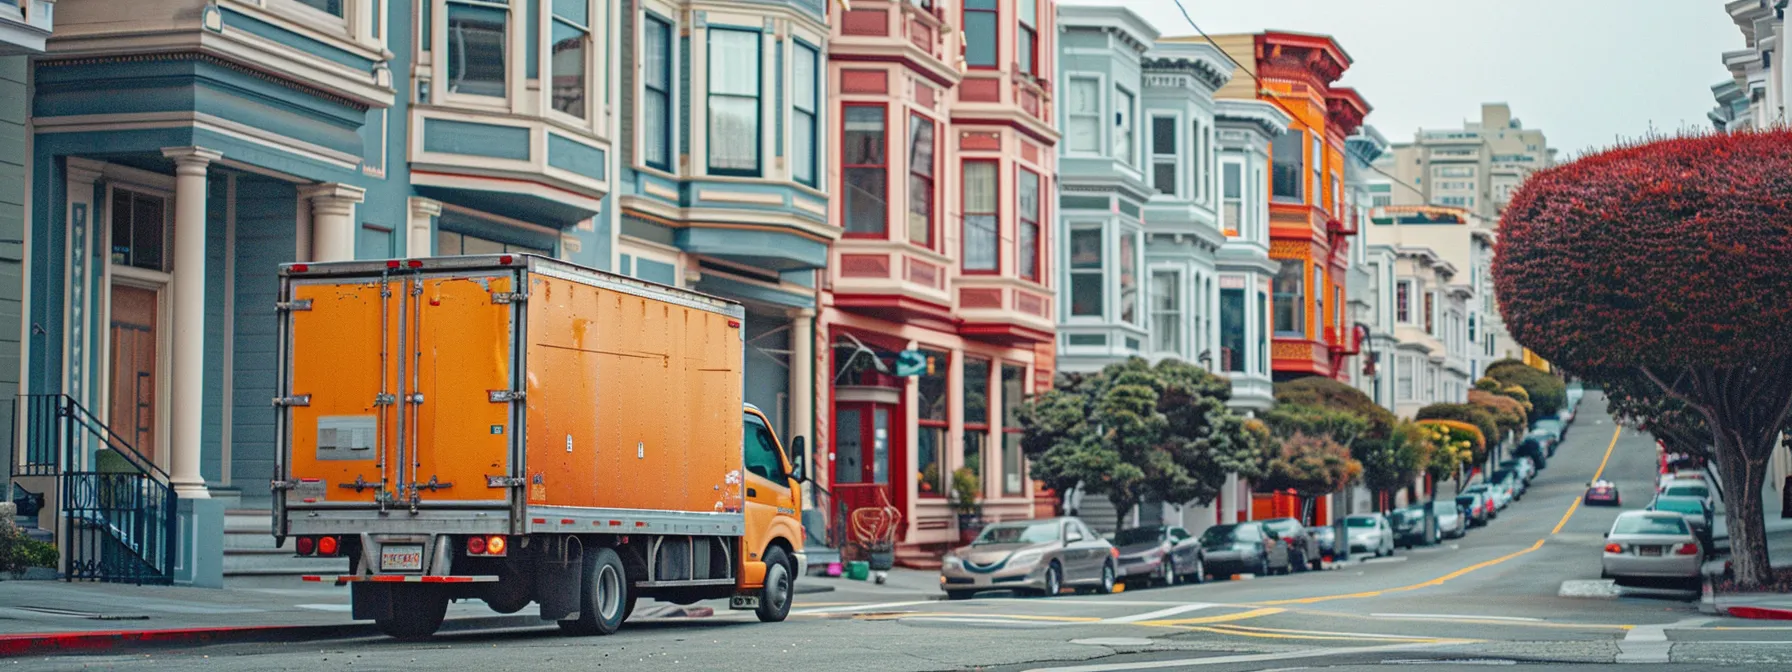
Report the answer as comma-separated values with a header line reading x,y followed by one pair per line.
x,y
134,375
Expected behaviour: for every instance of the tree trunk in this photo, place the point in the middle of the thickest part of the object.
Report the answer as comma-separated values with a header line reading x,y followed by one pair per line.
x,y
1743,478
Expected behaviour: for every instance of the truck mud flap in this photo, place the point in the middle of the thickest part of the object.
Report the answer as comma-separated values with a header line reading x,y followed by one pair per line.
x,y
557,586
371,601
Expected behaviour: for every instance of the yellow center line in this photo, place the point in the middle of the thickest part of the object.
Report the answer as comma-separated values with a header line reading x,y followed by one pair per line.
x,y
1222,618
1323,636
1467,620
1596,474
951,614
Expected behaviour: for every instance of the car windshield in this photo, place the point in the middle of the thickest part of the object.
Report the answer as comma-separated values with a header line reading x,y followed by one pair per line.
x,y
1632,524
1019,533
1283,526
1687,490
1359,521
1139,535
1679,505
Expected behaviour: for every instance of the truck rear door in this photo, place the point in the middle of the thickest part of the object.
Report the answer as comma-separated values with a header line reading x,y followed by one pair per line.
x,y
400,388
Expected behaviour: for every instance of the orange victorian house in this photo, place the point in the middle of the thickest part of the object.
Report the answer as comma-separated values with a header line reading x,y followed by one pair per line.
x,y
1310,227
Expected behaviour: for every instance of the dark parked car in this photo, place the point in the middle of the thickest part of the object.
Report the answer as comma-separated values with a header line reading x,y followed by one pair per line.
x,y
1159,554
1544,438
1409,527
1303,549
1604,493
1537,448
1243,548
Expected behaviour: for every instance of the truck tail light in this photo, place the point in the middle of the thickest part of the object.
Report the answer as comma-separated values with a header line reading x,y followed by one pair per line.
x,y
300,268
304,545
493,546
505,260
1686,549
1614,548
475,545
496,545
327,546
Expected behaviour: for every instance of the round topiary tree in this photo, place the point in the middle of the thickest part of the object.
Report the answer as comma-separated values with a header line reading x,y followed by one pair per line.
x,y
1668,259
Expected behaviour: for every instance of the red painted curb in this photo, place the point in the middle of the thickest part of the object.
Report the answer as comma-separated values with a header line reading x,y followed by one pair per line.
x,y
101,640
1764,613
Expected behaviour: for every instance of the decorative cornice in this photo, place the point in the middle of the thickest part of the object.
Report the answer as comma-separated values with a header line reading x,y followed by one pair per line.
x,y
1263,117
1345,109
178,56
1315,59
1202,71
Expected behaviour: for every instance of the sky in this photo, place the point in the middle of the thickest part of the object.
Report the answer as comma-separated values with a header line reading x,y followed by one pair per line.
x,y
1586,72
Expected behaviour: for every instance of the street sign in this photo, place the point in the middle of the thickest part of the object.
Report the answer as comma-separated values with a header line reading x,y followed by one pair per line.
x,y
910,363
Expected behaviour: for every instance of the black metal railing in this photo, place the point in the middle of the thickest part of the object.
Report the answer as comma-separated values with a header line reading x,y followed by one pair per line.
x,y
117,506
35,452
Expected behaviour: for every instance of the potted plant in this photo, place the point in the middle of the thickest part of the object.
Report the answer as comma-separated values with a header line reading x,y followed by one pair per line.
x,y
967,494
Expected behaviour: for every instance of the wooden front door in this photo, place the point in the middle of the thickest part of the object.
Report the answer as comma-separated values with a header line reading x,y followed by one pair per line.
x,y
133,385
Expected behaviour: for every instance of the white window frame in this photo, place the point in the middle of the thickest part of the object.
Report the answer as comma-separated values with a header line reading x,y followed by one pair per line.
x,y
1243,226
1173,159
1071,117
1177,315
1101,273
1412,302
594,23
760,168
817,131
513,63
643,17
1404,375
1126,125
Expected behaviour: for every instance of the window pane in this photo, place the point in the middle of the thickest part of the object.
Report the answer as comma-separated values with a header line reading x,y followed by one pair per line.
x,y
1085,249
927,454
1233,178
980,195
1163,135
1166,315
1123,131
803,71
1085,294
862,148
148,230
1084,115
1023,49
1027,237
568,68
1029,250
1014,395
1288,165
1086,298
333,7
1291,297
1163,177
473,245
656,101
1013,470
476,50
762,452
1232,330
1129,281
1029,12
976,391
930,387
980,35
920,187
802,147
974,440
920,143
733,100
448,243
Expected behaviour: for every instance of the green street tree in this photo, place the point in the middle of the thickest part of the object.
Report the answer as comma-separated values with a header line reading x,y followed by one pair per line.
x,y
1545,392
1137,432
1666,260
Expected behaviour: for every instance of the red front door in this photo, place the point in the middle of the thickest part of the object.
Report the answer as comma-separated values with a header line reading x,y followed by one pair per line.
x,y
864,437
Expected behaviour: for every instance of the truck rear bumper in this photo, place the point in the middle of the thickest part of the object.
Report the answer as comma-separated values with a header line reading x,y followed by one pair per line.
x,y
398,578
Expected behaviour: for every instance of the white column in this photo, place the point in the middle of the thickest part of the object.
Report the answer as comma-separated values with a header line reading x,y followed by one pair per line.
x,y
187,374
333,220
1229,500
802,379
420,233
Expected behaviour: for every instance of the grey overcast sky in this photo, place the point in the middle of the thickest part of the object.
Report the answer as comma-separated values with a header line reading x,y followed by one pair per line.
x,y
1585,71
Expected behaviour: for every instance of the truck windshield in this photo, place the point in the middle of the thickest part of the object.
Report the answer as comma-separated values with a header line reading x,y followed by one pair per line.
x,y
762,451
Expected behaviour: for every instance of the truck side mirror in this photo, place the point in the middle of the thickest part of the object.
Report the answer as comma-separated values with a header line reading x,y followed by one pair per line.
x,y
799,461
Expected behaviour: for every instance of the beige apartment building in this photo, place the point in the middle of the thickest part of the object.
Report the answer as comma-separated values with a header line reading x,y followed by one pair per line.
x,y
1476,167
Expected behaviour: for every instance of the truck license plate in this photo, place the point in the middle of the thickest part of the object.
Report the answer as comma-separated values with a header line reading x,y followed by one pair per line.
x,y
401,558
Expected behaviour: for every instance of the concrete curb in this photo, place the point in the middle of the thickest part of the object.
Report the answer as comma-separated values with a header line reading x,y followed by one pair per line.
x,y
103,641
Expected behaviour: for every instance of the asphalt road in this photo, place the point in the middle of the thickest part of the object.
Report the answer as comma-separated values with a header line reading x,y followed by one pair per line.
x,y
1523,590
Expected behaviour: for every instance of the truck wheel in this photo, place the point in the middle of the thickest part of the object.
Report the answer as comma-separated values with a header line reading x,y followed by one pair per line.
x,y
774,598
416,614
603,592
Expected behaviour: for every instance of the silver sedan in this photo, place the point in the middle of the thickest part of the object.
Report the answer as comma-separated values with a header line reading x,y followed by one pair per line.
x,y
1652,547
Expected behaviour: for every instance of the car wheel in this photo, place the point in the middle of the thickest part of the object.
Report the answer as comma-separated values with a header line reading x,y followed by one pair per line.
x,y
1262,565
1107,578
1054,579
1170,576
1200,573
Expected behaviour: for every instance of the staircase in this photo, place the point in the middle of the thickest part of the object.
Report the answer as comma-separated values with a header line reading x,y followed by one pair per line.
x,y
251,558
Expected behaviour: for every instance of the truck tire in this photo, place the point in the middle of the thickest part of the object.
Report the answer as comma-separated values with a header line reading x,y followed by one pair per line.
x,y
603,594
416,614
774,598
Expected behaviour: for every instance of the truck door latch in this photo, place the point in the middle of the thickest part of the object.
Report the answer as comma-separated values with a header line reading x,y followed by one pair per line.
x,y
292,306
500,298
505,396
359,485
505,481
384,399
434,485
295,400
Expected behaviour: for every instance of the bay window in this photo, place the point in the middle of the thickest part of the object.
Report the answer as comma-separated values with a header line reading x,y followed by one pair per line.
x,y
920,180
1026,247
980,30
1026,48
981,212
1129,277
1166,312
734,90
1086,273
656,93
863,162
1163,155
1288,165
476,47
805,102
1403,302
1083,126
1291,298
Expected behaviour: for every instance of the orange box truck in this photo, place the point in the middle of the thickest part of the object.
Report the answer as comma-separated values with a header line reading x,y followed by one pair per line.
x,y
517,429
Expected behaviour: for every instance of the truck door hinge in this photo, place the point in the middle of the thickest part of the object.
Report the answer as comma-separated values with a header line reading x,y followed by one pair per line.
x,y
295,400
505,396
505,481
384,399
282,486
509,297
292,306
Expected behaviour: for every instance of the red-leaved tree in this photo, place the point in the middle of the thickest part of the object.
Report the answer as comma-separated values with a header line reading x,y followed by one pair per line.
x,y
1670,260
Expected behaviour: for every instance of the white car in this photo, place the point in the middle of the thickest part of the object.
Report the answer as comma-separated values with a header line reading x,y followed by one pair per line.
x,y
1652,546
1680,487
